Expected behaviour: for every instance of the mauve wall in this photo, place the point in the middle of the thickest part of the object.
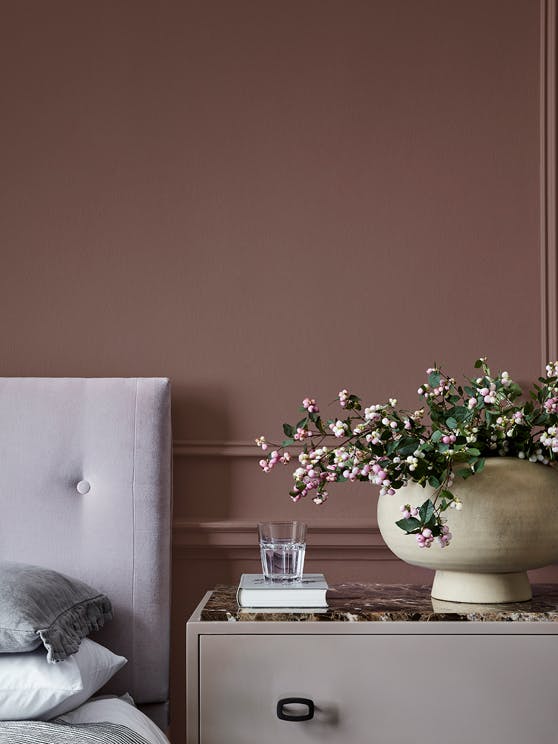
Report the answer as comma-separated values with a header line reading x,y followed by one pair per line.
x,y
265,200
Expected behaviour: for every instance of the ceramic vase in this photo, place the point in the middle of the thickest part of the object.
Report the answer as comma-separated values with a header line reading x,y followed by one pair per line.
x,y
508,525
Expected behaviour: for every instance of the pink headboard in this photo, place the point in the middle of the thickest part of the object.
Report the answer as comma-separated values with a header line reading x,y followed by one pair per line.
x,y
113,437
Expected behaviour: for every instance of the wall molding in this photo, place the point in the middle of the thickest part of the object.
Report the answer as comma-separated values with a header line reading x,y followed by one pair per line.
x,y
342,539
547,119
207,448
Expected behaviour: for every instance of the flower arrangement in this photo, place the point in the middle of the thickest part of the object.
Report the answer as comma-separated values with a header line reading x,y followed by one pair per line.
x,y
462,426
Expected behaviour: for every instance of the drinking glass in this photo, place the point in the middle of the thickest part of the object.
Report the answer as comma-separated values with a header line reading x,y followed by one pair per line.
x,y
282,548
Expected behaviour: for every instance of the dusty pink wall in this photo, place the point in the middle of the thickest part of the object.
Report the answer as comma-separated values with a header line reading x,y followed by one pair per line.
x,y
265,200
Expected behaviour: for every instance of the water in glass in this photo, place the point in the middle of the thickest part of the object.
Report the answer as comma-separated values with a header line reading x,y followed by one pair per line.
x,y
282,560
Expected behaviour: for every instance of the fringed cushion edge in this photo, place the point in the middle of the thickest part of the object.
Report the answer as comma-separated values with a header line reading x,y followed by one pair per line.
x,y
62,638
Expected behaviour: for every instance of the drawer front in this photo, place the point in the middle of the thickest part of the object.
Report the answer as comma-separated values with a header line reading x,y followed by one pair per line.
x,y
389,689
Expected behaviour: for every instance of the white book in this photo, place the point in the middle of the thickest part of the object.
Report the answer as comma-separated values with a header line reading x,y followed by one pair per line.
x,y
255,591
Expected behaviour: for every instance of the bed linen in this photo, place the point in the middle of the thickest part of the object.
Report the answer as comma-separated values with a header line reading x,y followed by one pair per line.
x,y
33,689
39,732
102,721
118,710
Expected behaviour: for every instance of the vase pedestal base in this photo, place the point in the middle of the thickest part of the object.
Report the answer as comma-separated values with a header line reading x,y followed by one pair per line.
x,y
481,588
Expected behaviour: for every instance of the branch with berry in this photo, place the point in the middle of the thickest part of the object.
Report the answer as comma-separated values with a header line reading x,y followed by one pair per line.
x,y
451,435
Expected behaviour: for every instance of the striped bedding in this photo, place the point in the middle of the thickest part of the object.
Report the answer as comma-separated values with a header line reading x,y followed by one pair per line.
x,y
58,732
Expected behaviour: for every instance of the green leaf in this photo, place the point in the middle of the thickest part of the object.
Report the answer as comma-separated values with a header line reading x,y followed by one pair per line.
x,y
434,379
287,442
436,436
407,447
451,423
391,446
473,451
288,429
478,364
320,426
479,465
433,481
426,511
464,473
410,525
514,390
354,403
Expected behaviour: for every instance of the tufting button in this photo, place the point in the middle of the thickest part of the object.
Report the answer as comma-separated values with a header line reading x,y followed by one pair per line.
x,y
83,487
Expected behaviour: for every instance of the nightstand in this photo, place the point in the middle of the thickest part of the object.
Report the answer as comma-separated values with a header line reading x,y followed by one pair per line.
x,y
382,664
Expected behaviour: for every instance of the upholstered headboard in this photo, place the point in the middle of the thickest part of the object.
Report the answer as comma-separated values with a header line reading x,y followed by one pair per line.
x,y
85,488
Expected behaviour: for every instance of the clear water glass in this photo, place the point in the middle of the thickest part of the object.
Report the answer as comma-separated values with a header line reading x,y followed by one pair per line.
x,y
282,549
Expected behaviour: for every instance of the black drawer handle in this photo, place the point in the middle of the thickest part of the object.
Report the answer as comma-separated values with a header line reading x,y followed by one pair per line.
x,y
296,717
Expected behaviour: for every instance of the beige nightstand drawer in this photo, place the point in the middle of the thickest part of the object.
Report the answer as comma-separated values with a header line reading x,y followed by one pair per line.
x,y
388,688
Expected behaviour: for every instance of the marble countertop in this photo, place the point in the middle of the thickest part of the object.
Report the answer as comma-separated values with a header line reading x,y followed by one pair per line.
x,y
387,603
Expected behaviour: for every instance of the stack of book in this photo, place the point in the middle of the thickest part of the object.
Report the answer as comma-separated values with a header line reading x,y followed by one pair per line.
x,y
256,591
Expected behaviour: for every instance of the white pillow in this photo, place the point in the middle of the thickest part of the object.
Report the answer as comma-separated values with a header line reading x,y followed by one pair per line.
x,y
30,687
118,710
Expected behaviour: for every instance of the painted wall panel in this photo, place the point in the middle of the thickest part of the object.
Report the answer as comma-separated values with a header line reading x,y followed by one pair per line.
x,y
263,201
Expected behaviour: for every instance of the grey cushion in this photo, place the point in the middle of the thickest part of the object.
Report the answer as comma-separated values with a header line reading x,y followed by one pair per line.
x,y
40,605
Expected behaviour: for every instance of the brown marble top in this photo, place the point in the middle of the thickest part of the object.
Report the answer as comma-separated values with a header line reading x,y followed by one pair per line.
x,y
387,603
